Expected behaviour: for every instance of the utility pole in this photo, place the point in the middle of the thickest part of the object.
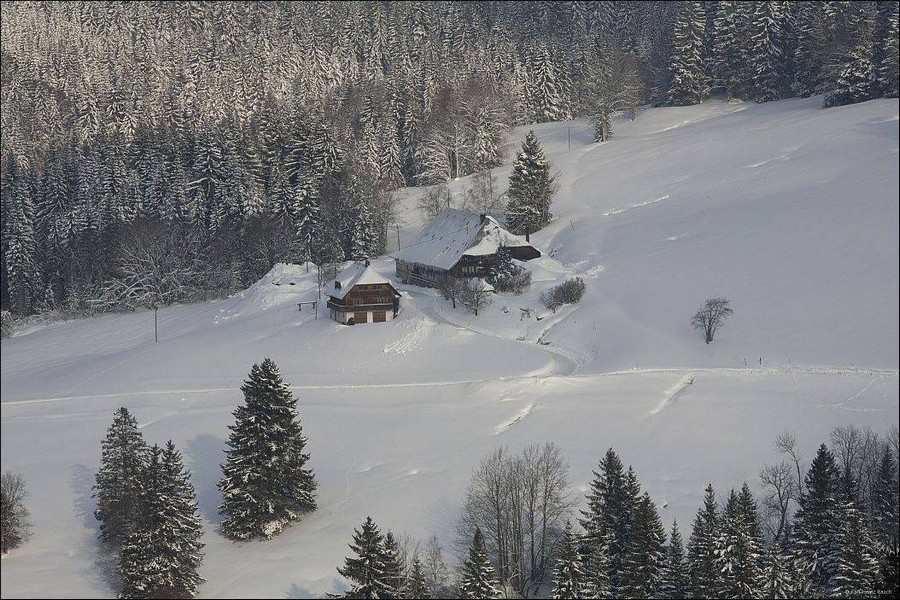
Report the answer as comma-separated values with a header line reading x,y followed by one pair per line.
x,y
398,236
155,324
569,132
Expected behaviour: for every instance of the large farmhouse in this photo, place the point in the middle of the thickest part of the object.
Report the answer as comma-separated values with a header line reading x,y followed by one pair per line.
x,y
458,243
361,295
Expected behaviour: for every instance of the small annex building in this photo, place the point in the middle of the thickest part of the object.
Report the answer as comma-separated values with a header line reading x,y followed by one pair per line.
x,y
360,294
458,243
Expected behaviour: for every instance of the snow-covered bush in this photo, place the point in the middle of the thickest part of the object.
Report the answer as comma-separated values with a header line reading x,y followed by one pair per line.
x,y
568,292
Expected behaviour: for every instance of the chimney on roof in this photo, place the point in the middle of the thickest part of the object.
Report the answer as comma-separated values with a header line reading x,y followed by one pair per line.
x,y
528,234
367,262
483,217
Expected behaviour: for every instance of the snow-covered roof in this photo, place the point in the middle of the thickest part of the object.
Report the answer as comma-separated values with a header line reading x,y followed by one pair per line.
x,y
454,233
356,274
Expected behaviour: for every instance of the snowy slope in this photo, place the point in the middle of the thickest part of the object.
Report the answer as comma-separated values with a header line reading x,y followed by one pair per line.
x,y
789,210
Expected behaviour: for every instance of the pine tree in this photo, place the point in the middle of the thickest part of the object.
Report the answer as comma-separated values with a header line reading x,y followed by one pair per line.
x,y
885,49
531,188
675,580
119,488
363,236
778,576
767,77
689,76
393,570
366,570
19,240
265,484
416,586
816,523
161,557
478,580
706,581
607,520
644,557
856,567
738,546
856,80
729,53
568,576
597,584
884,509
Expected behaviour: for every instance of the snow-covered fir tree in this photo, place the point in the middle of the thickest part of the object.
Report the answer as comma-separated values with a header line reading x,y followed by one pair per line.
x,y
266,484
856,567
767,65
607,520
119,482
706,579
884,502
568,575
779,578
393,569
885,43
478,578
688,64
728,60
416,585
19,240
675,579
531,188
162,556
856,80
817,523
363,241
644,557
738,546
597,572
366,568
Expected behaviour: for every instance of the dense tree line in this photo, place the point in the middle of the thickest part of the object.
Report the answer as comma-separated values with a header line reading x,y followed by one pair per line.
x,y
259,132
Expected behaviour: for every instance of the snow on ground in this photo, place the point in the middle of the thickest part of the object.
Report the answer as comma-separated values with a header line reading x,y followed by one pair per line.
x,y
788,210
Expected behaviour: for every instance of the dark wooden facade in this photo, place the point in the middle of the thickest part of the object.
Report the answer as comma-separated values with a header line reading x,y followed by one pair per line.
x,y
364,303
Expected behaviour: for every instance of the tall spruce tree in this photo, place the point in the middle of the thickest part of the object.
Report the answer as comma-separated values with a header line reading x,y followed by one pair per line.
x,y
416,586
393,570
265,484
675,580
119,482
161,557
778,576
738,546
366,570
856,567
817,523
568,576
884,509
478,579
706,580
607,520
767,56
644,558
531,188
688,63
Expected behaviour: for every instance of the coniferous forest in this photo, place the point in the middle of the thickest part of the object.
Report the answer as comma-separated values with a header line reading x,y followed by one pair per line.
x,y
157,152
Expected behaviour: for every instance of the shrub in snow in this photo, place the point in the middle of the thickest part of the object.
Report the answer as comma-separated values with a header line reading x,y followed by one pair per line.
x,y
506,276
568,292
14,518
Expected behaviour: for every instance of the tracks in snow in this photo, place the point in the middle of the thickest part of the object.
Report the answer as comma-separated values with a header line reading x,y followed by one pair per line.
x,y
672,394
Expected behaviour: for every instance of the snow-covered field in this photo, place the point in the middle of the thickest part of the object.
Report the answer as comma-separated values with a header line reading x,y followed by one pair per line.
x,y
788,210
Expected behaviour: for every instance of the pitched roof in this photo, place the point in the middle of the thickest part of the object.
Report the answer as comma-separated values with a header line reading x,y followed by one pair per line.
x,y
454,233
356,274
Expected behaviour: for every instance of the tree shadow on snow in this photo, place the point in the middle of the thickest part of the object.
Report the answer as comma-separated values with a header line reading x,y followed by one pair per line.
x,y
106,562
82,481
204,455
295,591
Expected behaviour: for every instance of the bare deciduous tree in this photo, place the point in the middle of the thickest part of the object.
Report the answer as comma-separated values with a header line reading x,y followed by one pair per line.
x,y
858,452
453,289
779,488
520,502
15,525
709,318
482,195
437,575
786,444
476,294
433,201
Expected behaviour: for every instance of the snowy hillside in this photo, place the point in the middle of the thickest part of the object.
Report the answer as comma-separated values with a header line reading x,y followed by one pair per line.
x,y
788,210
